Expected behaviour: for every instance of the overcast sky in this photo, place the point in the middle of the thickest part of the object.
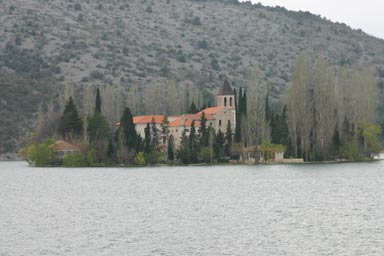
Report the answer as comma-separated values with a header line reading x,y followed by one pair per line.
x,y
367,15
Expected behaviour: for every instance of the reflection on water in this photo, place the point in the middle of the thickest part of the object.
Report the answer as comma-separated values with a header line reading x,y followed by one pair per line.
x,y
244,210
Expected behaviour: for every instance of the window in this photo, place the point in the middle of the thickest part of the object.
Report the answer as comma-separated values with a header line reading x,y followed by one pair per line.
x,y
225,101
230,101
219,122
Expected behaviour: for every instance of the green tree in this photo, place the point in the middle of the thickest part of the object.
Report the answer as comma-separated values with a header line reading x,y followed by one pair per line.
x,y
279,128
40,155
98,102
241,113
140,158
74,160
154,157
183,153
98,128
228,139
127,135
193,143
238,114
171,148
203,131
370,136
206,155
155,136
165,130
220,144
147,138
99,132
70,123
350,151
111,152
192,109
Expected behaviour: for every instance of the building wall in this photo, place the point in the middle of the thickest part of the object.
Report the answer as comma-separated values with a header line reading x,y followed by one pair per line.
x,y
176,132
140,129
221,120
226,101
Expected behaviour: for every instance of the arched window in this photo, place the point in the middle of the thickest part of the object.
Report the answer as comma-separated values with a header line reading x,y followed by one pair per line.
x,y
225,101
230,101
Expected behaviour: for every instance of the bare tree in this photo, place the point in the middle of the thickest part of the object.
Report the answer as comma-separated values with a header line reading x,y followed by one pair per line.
x,y
255,127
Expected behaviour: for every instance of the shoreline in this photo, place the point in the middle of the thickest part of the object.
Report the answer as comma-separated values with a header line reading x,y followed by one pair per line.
x,y
10,157
2,159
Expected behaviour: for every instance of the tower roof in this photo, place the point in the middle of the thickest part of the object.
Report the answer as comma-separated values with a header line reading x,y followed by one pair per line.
x,y
226,89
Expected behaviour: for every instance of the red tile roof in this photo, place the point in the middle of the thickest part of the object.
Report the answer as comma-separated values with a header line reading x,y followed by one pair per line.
x,y
63,145
187,123
148,119
176,123
211,111
192,116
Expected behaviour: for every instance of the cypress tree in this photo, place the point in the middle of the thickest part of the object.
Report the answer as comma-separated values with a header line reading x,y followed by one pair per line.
x,y
238,103
98,102
279,129
228,139
193,143
165,129
203,130
244,105
70,122
220,144
192,109
127,128
100,133
98,127
171,148
111,151
154,135
184,153
147,139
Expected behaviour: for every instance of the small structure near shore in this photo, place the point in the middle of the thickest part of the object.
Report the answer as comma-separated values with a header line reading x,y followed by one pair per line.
x,y
264,153
63,148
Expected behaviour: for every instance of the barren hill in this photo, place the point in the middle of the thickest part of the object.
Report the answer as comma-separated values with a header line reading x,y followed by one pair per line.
x,y
99,42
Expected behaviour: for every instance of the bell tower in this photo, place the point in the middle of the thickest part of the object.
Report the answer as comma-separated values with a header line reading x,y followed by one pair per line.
x,y
226,96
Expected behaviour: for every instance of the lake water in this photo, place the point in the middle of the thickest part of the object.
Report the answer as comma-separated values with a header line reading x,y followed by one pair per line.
x,y
330,209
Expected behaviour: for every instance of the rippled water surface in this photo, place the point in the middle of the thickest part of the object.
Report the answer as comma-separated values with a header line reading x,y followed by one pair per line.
x,y
244,210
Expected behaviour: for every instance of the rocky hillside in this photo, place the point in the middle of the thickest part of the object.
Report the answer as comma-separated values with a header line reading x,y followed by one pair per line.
x,y
100,42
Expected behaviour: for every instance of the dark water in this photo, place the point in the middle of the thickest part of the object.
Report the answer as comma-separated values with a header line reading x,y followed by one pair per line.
x,y
246,210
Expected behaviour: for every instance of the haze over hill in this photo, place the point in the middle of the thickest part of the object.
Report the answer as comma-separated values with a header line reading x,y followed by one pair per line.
x,y
46,44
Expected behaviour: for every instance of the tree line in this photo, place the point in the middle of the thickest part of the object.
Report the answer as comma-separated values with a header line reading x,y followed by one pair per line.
x,y
328,113
100,145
